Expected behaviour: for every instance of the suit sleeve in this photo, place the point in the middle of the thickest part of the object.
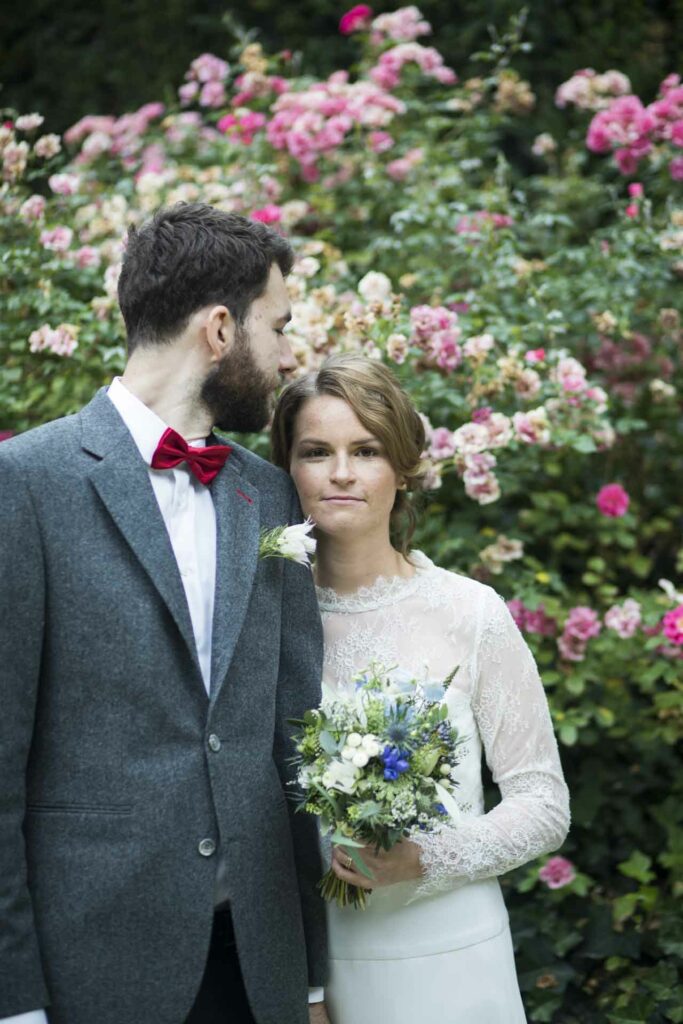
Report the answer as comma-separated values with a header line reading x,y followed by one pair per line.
x,y
299,684
22,601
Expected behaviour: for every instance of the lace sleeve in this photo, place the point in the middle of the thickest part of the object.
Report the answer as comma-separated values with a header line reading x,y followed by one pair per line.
x,y
512,715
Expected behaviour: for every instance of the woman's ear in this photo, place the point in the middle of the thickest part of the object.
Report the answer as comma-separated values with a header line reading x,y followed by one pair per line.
x,y
219,327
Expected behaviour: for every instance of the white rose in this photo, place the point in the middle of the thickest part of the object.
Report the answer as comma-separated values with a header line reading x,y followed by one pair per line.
x,y
354,739
360,759
374,287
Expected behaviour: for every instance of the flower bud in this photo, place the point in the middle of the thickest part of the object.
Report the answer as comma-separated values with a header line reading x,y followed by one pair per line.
x,y
354,739
360,759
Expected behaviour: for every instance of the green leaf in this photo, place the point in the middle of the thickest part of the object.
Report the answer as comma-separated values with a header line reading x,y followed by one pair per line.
x,y
637,866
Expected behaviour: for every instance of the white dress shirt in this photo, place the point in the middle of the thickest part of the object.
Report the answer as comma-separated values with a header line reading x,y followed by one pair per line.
x,y
190,517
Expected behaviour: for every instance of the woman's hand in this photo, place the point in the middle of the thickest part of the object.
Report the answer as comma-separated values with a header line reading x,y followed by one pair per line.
x,y
400,864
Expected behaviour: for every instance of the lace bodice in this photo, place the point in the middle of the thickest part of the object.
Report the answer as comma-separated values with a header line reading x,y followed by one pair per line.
x,y
428,624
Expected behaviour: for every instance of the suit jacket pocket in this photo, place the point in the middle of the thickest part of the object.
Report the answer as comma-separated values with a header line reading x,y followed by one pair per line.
x,y
108,810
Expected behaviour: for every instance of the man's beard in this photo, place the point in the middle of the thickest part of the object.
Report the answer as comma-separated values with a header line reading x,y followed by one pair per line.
x,y
237,392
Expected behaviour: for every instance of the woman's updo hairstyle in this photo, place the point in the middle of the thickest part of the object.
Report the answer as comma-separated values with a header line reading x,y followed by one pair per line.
x,y
386,412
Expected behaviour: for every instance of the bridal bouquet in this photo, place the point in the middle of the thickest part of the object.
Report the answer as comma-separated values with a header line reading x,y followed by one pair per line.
x,y
376,765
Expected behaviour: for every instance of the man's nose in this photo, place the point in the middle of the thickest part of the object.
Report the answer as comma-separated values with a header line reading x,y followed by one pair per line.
x,y
287,361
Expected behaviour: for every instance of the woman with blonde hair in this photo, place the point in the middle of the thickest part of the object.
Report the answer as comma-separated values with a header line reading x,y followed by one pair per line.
x,y
433,945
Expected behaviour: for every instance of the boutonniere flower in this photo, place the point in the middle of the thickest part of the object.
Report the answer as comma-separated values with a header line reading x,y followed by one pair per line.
x,y
291,542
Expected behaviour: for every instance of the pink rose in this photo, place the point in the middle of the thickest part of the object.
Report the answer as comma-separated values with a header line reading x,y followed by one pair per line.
x,y
355,19
676,168
624,619
32,209
56,239
442,445
535,355
612,500
635,190
632,210
672,626
187,92
582,623
212,94
557,872
270,214
87,256
380,142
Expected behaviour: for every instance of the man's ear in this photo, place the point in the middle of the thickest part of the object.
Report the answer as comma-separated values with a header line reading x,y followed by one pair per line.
x,y
219,328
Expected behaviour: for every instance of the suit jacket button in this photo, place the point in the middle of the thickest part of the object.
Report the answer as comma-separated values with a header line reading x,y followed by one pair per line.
x,y
214,743
207,847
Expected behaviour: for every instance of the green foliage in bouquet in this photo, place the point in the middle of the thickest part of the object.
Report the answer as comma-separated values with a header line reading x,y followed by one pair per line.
x,y
522,277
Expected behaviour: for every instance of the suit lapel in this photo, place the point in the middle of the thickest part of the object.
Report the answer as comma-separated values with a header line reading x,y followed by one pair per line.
x,y
237,542
121,478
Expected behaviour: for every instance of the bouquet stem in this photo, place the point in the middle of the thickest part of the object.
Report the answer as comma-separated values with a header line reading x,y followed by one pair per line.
x,y
343,894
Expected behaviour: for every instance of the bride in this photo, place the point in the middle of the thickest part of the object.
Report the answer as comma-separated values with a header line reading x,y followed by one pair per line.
x,y
433,945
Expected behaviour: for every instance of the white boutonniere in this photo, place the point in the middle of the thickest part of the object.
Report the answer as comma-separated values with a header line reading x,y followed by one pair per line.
x,y
291,542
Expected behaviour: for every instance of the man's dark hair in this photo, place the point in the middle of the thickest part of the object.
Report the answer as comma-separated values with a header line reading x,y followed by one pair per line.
x,y
189,256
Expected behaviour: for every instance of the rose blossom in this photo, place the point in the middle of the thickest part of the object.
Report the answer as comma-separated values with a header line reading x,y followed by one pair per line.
x,y
380,142
582,624
64,184
535,355
374,287
442,445
62,340
612,500
29,122
397,348
557,872
477,346
355,19
56,239
269,214
32,208
212,94
499,430
87,256
672,626
187,92
471,438
532,427
47,146
624,619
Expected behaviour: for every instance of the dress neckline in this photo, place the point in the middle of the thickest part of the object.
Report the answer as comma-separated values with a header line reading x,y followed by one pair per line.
x,y
385,590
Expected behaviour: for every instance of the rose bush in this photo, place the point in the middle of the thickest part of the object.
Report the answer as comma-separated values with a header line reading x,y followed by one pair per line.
x,y
536,320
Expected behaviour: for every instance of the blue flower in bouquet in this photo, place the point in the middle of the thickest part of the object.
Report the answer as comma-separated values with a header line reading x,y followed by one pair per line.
x,y
433,690
398,726
395,762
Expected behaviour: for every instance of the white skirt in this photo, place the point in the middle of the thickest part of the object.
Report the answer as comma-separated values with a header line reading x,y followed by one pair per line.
x,y
395,964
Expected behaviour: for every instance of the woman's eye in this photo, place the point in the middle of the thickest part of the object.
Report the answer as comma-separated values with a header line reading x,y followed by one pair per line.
x,y
367,452
314,453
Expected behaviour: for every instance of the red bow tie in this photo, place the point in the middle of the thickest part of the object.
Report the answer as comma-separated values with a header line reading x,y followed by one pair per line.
x,y
203,462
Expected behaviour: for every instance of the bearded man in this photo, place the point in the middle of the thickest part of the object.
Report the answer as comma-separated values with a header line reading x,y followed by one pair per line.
x,y
150,870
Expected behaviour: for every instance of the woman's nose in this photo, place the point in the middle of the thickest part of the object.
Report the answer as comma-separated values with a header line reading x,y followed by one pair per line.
x,y
341,469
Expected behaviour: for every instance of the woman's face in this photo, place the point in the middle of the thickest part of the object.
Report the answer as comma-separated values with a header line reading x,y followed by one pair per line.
x,y
345,481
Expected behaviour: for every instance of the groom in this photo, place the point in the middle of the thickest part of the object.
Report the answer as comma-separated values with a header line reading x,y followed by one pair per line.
x,y
150,872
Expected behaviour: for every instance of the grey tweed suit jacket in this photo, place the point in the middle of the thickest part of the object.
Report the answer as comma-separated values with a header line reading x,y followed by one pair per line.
x,y
108,781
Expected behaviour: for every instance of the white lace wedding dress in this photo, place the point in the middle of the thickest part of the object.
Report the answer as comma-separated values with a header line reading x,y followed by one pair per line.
x,y
438,950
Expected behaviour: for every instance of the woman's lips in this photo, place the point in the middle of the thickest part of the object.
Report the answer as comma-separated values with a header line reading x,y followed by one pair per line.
x,y
343,499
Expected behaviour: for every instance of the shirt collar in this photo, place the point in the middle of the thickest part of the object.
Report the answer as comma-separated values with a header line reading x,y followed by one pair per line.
x,y
144,425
